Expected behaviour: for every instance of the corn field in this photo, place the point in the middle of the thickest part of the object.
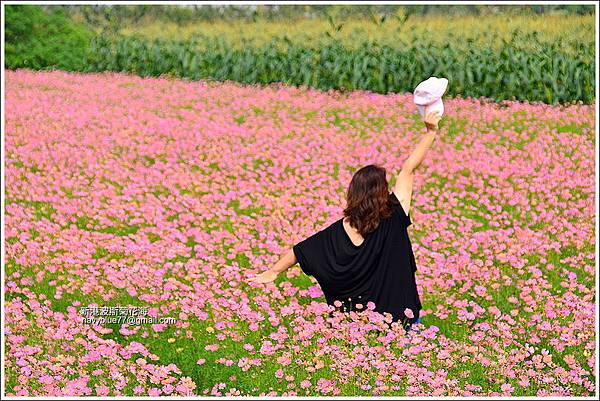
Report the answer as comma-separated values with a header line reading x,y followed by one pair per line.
x,y
522,67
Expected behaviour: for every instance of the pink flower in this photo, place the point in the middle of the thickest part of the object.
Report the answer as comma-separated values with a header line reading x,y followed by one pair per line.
x,y
506,388
169,190
154,392
305,383
102,390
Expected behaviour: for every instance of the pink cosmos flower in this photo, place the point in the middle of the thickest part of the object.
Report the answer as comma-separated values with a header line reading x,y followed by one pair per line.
x,y
305,383
156,188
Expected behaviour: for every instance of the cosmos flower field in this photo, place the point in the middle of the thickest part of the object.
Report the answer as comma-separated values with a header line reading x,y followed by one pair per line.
x,y
167,195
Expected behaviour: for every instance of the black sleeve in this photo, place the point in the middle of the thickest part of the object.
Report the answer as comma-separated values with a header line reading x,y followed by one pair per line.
x,y
310,253
301,259
399,210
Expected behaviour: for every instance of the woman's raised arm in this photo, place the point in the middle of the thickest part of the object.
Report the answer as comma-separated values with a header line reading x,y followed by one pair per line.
x,y
404,181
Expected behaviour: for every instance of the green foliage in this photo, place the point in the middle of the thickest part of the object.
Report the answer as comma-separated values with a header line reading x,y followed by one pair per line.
x,y
38,39
127,14
522,68
514,71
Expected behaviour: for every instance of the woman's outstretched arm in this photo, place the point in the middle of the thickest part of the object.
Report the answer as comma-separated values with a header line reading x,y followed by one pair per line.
x,y
285,262
404,181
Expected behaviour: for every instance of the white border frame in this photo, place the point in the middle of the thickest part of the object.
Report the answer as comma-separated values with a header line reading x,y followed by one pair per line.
x,y
2,179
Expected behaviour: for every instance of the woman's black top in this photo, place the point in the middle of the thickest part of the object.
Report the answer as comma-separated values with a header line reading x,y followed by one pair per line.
x,y
381,269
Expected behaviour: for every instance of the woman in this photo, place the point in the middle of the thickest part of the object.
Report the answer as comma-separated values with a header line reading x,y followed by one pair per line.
x,y
367,255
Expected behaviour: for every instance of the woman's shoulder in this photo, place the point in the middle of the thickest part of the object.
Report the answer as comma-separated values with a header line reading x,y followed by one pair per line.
x,y
331,227
393,198
398,209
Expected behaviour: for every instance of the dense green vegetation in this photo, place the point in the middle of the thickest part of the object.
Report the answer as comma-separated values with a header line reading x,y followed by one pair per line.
x,y
553,66
132,14
38,39
548,75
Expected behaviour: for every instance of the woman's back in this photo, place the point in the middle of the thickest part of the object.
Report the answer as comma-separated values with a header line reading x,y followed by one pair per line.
x,y
381,269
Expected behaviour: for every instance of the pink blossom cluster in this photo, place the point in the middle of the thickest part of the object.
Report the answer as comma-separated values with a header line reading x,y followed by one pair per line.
x,y
55,354
170,194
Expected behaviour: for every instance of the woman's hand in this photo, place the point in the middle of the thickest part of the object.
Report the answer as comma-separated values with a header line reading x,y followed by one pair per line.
x,y
286,261
432,119
264,277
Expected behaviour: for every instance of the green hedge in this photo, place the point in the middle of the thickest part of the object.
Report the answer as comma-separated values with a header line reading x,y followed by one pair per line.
x,y
507,72
38,39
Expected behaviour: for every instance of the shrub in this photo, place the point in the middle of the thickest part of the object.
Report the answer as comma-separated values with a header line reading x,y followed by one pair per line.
x,y
40,39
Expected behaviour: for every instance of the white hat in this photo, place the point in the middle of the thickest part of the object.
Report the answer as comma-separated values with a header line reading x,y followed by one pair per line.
x,y
428,95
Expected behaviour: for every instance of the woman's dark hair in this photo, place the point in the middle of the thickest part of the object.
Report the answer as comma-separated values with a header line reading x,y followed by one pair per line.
x,y
367,199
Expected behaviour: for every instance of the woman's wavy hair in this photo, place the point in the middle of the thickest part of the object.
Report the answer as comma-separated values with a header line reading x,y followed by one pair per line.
x,y
367,199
